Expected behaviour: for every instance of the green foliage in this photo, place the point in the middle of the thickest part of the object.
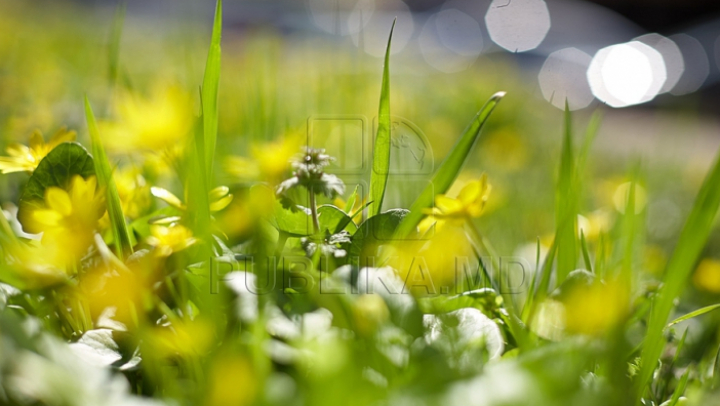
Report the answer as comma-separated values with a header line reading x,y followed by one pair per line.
x,y
210,85
381,149
692,239
567,199
374,232
281,297
449,169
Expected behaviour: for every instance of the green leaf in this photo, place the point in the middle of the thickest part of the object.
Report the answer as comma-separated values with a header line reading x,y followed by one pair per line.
x,y
381,148
334,220
692,240
374,232
351,200
295,223
211,82
698,312
484,299
103,170
449,169
56,169
716,370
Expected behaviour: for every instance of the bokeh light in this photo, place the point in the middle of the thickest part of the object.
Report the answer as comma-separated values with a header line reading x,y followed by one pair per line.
x,y
563,77
625,74
672,57
450,40
518,25
697,65
373,37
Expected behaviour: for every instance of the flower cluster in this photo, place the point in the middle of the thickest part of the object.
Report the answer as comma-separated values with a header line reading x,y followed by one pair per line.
x,y
309,172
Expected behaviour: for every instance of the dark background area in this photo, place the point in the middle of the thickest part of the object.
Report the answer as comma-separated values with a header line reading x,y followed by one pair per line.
x,y
652,15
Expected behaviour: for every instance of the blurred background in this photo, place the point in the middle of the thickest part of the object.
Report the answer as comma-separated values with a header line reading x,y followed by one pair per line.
x,y
651,67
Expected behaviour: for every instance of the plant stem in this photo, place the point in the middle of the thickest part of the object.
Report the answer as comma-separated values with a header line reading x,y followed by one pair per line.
x,y
314,213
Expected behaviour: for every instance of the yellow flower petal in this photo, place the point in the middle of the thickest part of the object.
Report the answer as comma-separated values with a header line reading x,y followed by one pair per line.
x,y
19,151
219,192
427,223
9,165
47,217
470,192
58,200
62,135
166,196
37,143
221,204
447,205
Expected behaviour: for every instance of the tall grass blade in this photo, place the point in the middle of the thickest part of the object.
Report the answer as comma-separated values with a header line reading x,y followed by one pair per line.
x,y
114,43
566,198
381,148
122,242
585,252
211,81
692,239
196,182
698,312
449,169
680,388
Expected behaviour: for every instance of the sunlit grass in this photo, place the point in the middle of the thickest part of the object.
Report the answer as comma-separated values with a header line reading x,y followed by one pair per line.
x,y
190,249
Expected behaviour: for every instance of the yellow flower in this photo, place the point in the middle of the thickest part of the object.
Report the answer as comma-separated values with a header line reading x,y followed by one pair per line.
x,y
621,197
34,265
434,265
24,158
707,275
134,192
155,123
470,203
70,218
270,161
220,198
588,309
185,338
596,309
232,381
168,240
595,224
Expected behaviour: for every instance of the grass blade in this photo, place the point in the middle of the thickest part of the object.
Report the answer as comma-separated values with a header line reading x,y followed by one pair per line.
x,y
680,388
103,171
692,239
381,148
114,43
211,82
585,252
196,182
449,169
566,206
698,312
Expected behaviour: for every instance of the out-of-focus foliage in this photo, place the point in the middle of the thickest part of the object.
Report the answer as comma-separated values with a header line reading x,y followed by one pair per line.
x,y
253,270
